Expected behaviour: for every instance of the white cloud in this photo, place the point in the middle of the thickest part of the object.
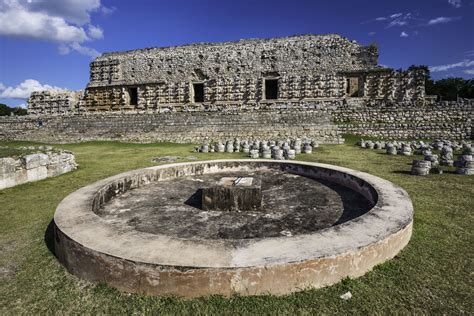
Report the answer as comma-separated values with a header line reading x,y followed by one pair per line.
x,y
372,33
397,22
107,10
403,34
389,17
442,20
464,63
95,32
67,22
469,71
24,89
398,19
396,15
63,50
2,86
455,3
39,26
74,11
84,50
469,53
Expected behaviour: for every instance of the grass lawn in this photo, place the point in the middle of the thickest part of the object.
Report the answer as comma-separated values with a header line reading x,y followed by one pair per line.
x,y
433,274
8,151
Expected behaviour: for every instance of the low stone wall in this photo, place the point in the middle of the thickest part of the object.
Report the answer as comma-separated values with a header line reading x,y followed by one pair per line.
x,y
176,127
322,121
34,167
441,120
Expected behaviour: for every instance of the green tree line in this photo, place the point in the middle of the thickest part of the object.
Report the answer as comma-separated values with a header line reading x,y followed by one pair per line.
x,y
6,110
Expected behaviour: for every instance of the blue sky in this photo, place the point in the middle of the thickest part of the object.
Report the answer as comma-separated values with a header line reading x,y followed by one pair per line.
x,y
50,43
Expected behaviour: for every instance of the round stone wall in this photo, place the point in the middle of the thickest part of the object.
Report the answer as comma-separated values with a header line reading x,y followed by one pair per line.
x,y
157,264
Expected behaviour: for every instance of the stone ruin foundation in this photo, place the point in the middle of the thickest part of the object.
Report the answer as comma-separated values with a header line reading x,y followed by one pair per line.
x,y
303,225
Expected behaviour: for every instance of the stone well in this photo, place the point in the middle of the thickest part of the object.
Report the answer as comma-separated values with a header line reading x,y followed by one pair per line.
x,y
146,230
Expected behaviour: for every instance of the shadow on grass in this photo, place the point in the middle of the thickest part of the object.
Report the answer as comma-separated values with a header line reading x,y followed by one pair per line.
x,y
49,237
402,172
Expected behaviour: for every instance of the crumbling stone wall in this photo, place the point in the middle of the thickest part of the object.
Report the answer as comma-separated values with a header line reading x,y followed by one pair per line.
x,y
308,67
449,120
54,102
176,127
18,170
324,121
305,69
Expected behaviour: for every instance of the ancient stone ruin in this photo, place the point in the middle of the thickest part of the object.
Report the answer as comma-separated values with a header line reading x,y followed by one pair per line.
x,y
45,163
231,227
314,86
246,74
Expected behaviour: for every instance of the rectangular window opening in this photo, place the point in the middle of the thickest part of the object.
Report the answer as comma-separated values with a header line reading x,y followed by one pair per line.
x,y
198,89
133,93
271,89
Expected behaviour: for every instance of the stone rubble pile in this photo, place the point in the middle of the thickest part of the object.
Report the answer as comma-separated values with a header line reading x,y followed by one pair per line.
x,y
279,150
37,166
431,161
465,163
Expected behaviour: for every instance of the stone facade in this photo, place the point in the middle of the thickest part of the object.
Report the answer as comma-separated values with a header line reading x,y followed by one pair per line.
x,y
248,74
34,167
54,102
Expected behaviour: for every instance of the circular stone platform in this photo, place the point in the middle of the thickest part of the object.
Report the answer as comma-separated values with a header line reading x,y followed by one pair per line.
x,y
145,230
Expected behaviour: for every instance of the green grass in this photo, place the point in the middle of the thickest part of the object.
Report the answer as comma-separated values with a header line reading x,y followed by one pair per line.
x,y
8,151
433,274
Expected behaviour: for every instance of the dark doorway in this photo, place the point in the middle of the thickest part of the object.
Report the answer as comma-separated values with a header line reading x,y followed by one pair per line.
x,y
198,89
353,87
271,89
133,92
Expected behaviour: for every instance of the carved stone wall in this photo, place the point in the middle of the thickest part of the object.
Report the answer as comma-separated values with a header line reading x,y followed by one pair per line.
x,y
54,102
307,69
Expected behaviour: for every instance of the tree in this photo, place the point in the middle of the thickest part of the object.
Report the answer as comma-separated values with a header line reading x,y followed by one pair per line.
x,y
448,89
5,110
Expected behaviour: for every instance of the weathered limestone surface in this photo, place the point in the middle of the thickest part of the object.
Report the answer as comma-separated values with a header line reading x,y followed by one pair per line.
x,y
325,85
53,102
234,74
34,167
95,250
322,121
178,127
235,194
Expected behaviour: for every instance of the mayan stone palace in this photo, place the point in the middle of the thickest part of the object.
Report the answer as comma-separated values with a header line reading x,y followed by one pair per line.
x,y
318,86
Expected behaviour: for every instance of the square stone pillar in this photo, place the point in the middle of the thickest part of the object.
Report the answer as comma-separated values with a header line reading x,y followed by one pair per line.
x,y
237,194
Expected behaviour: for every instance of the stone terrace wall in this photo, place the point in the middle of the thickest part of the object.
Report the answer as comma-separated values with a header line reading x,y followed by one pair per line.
x,y
323,121
442,120
177,127
34,167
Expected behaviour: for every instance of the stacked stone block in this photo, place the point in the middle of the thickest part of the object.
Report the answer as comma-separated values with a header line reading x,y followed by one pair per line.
x,y
34,167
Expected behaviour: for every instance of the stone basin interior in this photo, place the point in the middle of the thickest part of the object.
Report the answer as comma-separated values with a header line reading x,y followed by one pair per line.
x,y
294,201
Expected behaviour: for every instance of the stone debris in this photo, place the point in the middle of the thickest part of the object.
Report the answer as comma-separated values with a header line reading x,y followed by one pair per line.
x,y
420,167
465,164
279,150
346,296
446,156
446,148
34,167
166,159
